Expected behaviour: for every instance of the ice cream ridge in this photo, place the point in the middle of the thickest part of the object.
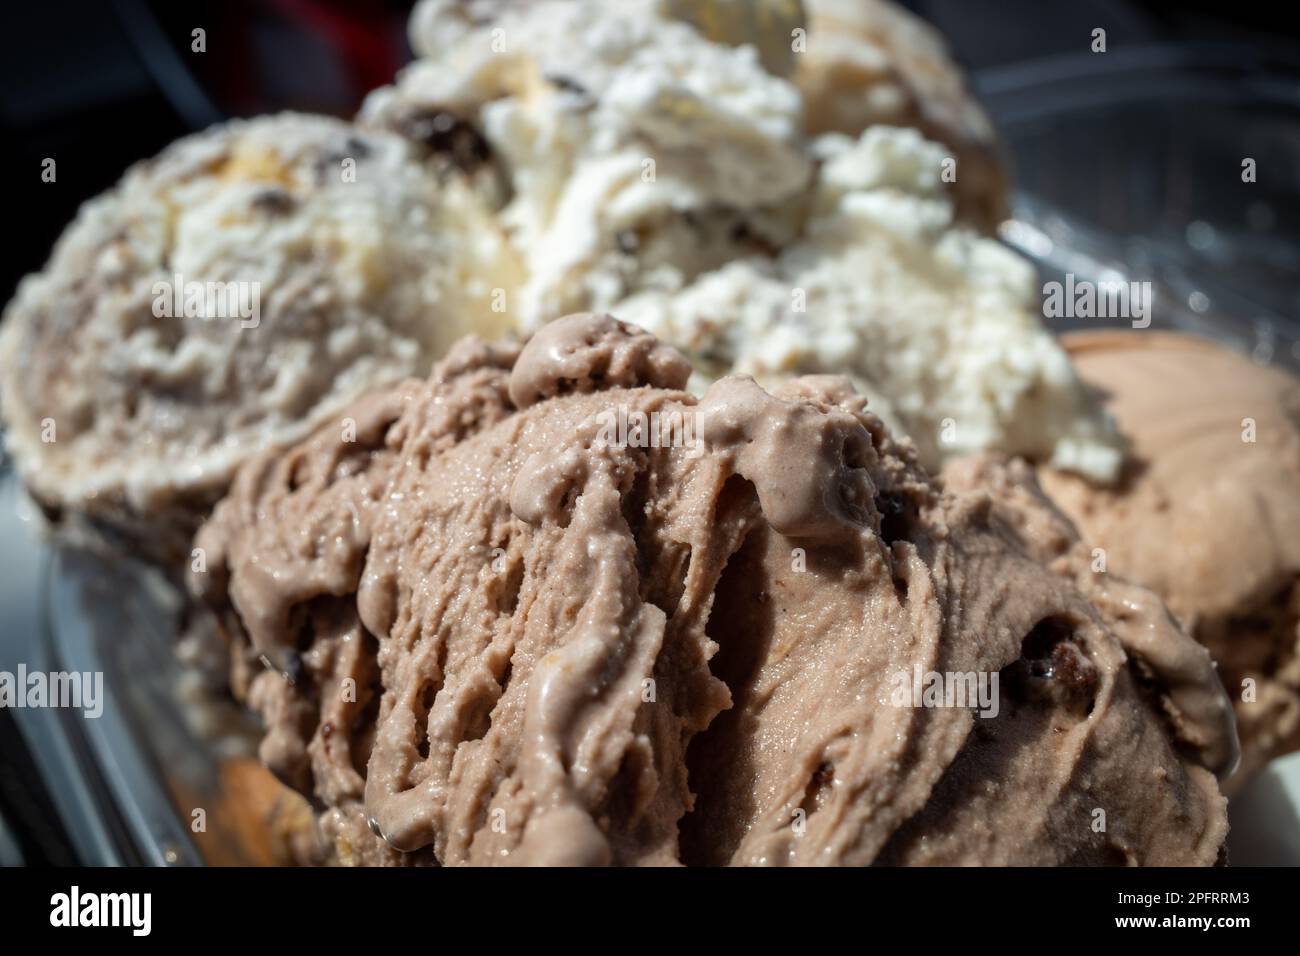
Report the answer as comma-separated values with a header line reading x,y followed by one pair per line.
x,y
484,626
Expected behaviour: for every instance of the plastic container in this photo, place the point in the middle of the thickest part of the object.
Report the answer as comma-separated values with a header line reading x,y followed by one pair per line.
x,y
125,784
1128,166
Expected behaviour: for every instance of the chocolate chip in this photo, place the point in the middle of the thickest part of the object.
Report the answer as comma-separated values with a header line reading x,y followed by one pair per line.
x,y
275,201
328,164
447,136
1043,638
896,516
1053,667
742,233
567,83
357,147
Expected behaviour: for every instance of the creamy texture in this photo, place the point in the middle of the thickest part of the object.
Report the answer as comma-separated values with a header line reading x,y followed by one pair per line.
x,y
748,182
633,146
495,636
935,323
364,266
589,351
1194,695
872,63
1204,517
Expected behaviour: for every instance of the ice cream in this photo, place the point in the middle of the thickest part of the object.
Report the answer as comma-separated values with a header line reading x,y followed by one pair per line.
x,y
1208,514
548,608
872,63
722,175
228,296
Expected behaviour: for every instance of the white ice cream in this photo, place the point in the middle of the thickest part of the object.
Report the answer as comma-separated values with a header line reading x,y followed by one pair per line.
x,y
133,405
659,173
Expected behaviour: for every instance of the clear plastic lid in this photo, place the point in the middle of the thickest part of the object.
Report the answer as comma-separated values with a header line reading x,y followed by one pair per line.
x,y
1178,166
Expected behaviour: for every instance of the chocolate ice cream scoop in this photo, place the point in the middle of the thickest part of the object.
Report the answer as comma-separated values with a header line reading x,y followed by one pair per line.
x,y
1208,513
618,625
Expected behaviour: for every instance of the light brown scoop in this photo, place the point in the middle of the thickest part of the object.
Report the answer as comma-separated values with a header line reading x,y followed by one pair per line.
x,y
1208,514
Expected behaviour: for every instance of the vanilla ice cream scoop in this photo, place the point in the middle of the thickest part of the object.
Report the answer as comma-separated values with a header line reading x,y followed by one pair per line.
x,y
753,183
227,296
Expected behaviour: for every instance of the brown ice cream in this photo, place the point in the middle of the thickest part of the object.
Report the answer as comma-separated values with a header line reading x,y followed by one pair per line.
x,y
1208,515
548,608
